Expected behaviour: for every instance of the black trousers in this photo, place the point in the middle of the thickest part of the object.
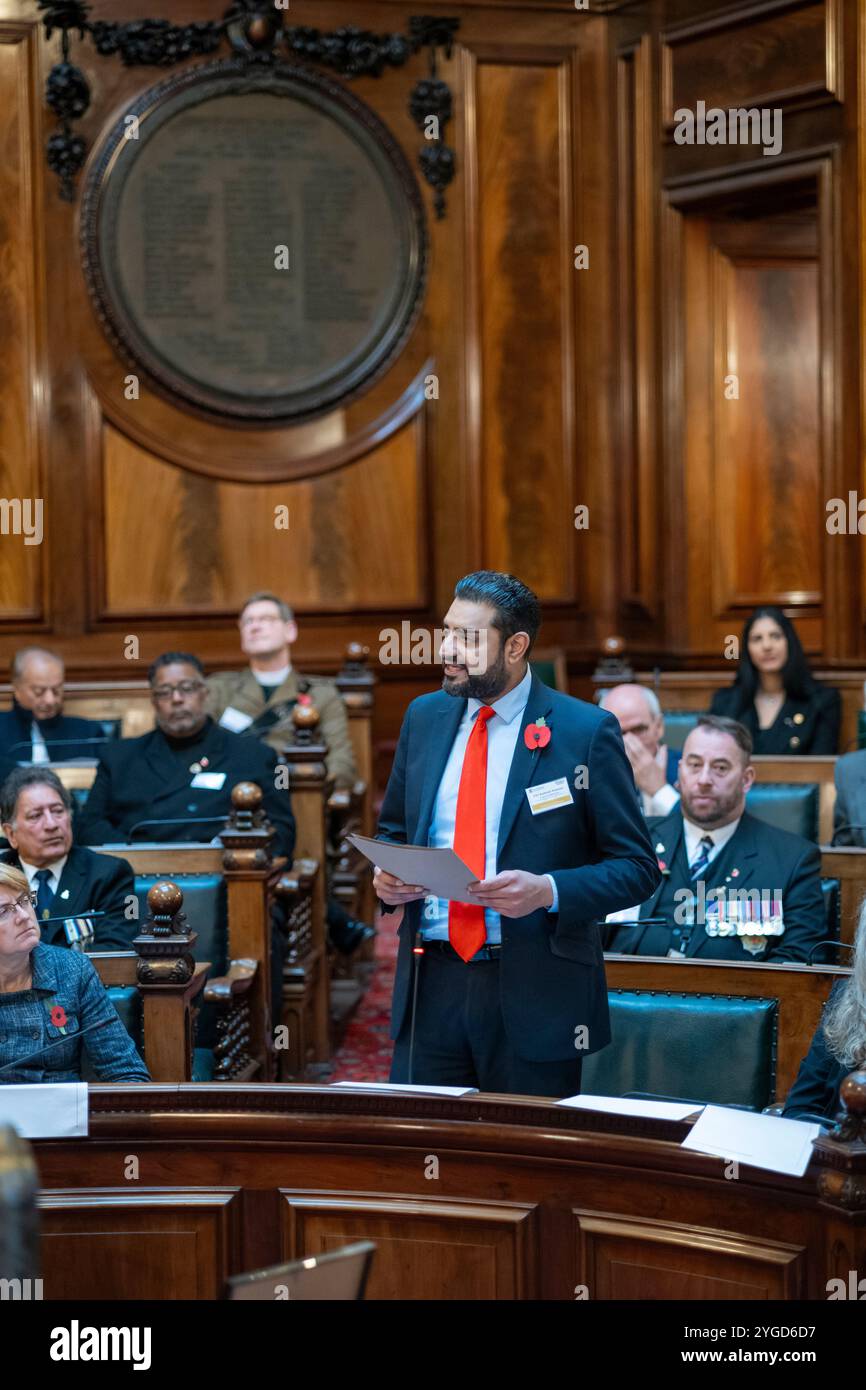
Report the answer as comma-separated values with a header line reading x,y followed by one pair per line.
x,y
460,1037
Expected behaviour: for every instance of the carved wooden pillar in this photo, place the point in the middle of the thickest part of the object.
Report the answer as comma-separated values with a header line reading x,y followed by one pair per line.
x,y
310,785
165,980
247,865
356,682
842,1189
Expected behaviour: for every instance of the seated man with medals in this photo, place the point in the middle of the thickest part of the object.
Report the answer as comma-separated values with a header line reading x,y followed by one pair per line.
x,y
733,888
82,898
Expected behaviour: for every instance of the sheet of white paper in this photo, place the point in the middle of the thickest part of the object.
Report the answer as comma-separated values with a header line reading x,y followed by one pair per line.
x,y
235,720
762,1141
396,1086
625,1105
54,1110
440,871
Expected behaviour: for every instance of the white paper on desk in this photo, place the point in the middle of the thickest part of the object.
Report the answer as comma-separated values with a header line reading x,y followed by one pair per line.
x,y
54,1110
762,1141
397,1086
440,871
626,1105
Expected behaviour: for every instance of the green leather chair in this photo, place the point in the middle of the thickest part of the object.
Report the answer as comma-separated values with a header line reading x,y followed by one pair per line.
x,y
719,1049
679,724
789,806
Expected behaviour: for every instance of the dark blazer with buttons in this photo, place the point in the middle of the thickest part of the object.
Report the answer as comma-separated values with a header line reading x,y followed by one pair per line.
x,y
801,726
91,881
139,779
816,1089
551,969
757,856
67,979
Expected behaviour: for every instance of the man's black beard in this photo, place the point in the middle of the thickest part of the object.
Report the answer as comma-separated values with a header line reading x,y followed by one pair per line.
x,y
485,687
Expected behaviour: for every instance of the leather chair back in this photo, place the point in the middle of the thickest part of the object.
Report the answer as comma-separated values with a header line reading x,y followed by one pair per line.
x,y
695,1047
789,806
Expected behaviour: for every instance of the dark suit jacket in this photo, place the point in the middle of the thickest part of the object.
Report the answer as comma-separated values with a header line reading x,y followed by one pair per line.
x,y
816,1089
60,735
802,726
551,970
765,858
96,881
139,779
849,812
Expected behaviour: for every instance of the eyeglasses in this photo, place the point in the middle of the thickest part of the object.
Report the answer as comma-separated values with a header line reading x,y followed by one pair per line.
x,y
19,905
165,692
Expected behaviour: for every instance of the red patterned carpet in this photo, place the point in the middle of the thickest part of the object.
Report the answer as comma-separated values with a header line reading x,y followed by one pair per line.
x,y
366,1051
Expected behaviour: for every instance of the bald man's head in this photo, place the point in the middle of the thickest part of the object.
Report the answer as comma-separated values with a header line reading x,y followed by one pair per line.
x,y
37,680
638,712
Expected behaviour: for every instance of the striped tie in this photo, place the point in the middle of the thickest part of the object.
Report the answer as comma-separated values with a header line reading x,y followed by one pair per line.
x,y
705,849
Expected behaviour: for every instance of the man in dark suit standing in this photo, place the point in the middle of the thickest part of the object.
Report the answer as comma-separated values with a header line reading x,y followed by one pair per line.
x,y
35,729
534,791
727,876
179,777
69,881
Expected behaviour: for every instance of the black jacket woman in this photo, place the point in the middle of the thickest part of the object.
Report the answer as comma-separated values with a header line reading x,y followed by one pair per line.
x,y
775,694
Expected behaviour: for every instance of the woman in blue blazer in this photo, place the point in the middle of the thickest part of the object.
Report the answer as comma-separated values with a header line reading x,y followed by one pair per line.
x,y
50,995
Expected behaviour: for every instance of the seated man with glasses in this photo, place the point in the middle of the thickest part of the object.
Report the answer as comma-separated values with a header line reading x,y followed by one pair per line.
x,y
48,998
175,783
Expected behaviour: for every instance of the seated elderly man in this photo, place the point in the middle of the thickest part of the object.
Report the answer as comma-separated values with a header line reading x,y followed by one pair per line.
x,y
643,730
70,882
36,730
48,998
175,783
733,887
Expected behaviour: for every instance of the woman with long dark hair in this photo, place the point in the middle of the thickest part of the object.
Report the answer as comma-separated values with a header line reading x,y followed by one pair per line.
x,y
775,694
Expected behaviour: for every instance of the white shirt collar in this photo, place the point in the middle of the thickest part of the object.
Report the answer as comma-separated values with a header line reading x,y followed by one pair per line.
x,y
510,705
272,677
55,868
695,833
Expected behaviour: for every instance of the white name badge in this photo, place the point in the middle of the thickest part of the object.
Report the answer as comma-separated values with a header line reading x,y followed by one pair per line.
x,y
548,795
235,720
209,781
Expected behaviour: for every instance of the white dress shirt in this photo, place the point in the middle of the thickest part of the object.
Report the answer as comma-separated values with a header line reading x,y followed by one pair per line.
x,y
38,749
503,731
55,869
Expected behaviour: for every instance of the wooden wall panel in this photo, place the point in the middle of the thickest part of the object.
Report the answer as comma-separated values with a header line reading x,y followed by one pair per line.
x,y
21,475
218,542
526,274
436,1249
756,58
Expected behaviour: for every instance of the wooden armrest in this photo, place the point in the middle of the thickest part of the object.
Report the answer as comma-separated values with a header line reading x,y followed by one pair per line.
x,y
236,981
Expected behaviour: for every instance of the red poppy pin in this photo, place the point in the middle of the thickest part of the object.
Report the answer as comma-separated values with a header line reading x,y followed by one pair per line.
x,y
537,735
663,866
58,1016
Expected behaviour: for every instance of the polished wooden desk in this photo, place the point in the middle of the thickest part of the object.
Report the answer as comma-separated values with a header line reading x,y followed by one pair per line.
x,y
481,1197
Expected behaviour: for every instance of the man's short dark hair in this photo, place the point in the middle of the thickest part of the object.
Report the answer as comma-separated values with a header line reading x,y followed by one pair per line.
x,y
266,596
21,777
738,732
515,606
172,659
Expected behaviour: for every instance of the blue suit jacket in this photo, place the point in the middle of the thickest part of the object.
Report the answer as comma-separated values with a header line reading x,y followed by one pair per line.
x,y
597,848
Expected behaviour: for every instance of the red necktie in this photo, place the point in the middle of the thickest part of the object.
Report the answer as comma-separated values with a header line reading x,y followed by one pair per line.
x,y
466,930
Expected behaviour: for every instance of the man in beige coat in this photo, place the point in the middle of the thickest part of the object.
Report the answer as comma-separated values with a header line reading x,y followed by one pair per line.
x,y
259,701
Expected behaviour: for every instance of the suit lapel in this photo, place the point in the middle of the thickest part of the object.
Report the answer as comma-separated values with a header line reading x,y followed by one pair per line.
x,y
71,881
214,747
442,735
524,761
668,835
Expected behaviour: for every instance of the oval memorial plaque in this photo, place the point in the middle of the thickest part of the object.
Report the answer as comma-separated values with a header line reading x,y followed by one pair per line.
x,y
254,241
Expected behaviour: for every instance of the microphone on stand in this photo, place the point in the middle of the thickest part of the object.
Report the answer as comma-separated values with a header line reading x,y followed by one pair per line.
x,y
58,743
178,820
20,1061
